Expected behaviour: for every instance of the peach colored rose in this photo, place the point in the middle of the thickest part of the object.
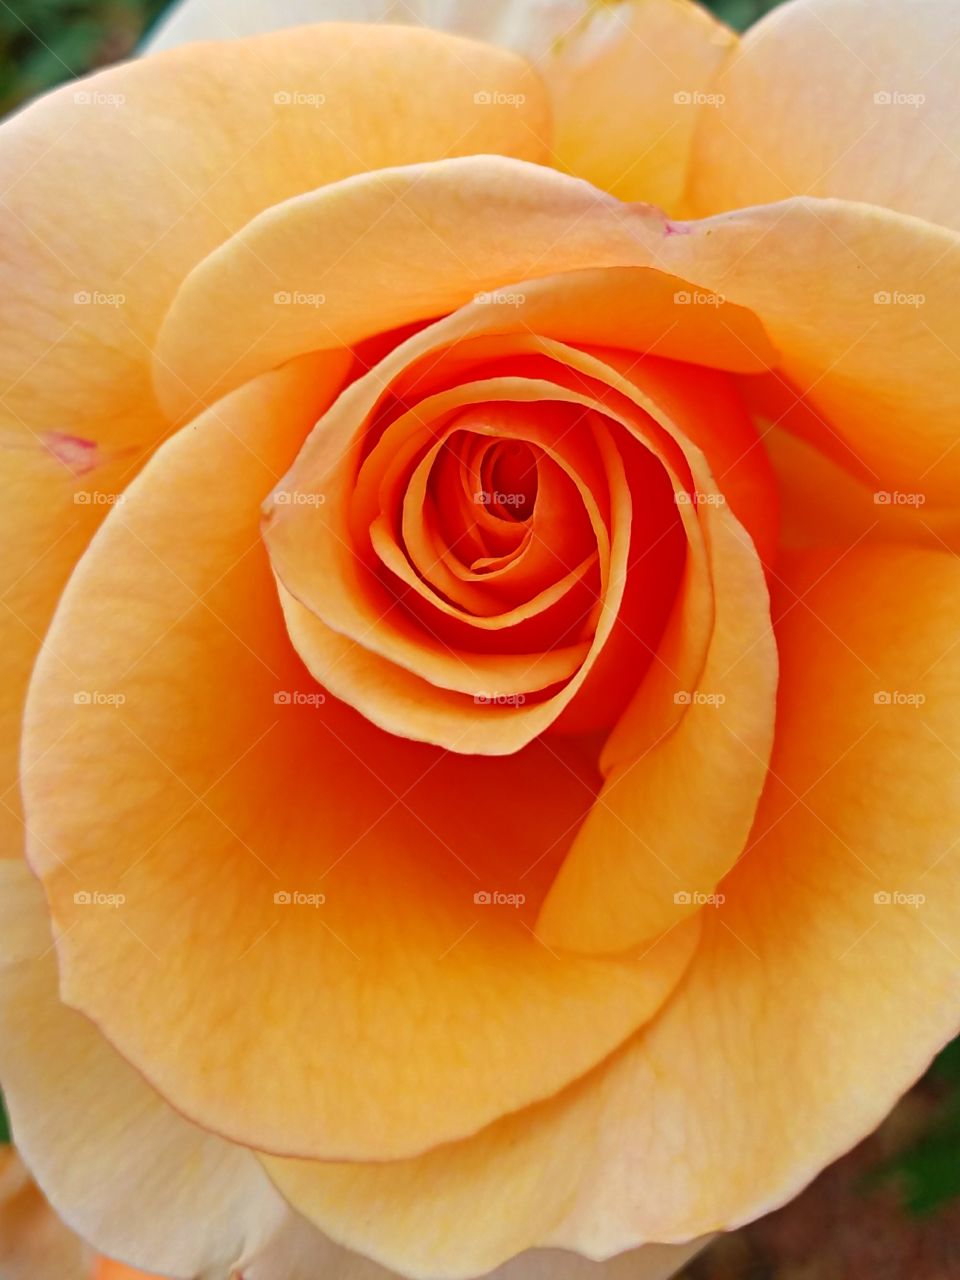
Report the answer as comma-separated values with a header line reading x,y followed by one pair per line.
x,y
34,1243
481,500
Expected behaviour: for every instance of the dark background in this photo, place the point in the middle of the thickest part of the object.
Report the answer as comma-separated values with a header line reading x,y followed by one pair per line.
x,y
888,1211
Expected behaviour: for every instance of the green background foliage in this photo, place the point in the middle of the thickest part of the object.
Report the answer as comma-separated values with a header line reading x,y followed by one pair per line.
x,y
44,42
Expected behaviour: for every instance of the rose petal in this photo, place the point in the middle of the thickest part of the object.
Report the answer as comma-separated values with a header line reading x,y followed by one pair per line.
x,y
166,157
407,684
98,1139
624,79
810,1007
158,178
398,1013
877,122
861,304
434,240
34,1243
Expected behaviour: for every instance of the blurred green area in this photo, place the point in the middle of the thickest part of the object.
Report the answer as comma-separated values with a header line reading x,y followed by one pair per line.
x,y
44,42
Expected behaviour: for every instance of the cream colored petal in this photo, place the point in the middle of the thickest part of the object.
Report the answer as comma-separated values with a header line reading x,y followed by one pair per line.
x,y
838,98
627,78
117,1163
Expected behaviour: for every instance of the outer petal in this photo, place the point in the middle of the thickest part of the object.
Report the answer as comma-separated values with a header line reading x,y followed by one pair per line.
x,y
118,1164
436,238
397,1012
298,1259
861,304
34,1243
828,280
131,1174
812,1005
837,98
163,159
48,514
168,156
625,78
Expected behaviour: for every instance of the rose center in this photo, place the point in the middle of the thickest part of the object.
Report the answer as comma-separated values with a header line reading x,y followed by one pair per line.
x,y
509,478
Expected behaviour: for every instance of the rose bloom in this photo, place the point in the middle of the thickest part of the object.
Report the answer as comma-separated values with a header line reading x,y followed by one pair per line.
x,y
481,606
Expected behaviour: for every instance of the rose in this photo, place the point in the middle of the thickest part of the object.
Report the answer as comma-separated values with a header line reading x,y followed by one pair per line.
x,y
34,1243
425,1072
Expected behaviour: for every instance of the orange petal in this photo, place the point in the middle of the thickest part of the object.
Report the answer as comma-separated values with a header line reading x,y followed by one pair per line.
x,y
34,1243
861,304
674,812
628,83
877,122
811,1006
434,241
120,1165
410,684
194,800
79,412
143,169
625,80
